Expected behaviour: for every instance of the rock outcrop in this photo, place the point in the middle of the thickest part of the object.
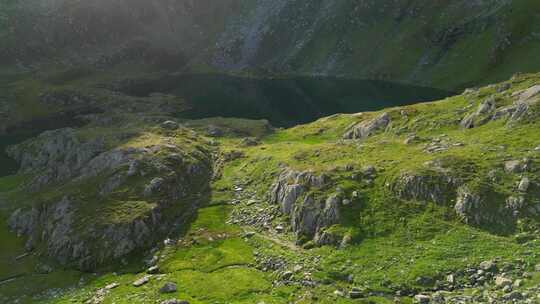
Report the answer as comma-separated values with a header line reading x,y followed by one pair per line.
x,y
112,202
520,109
368,128
309,213
434,187
476,209
55,155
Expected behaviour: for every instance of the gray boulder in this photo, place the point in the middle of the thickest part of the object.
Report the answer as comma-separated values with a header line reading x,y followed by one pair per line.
x,y
170,125
524,184
168,287
480,116
368,128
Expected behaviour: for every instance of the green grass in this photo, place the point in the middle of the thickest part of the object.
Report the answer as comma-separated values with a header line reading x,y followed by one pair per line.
x,y
12,182
395,240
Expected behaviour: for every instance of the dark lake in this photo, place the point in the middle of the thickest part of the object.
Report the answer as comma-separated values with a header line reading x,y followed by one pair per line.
x,y
283,101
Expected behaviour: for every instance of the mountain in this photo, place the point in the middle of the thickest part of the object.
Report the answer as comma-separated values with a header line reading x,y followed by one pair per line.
x,y
443,44
258,151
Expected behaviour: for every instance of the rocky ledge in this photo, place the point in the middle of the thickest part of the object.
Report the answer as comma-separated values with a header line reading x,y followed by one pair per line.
x,y
93,199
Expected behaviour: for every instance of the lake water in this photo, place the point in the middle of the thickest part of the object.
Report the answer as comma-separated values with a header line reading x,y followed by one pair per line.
x,y
284,102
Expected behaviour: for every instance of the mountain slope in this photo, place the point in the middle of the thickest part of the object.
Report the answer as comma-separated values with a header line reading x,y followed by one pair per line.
x,y
431,201
444,44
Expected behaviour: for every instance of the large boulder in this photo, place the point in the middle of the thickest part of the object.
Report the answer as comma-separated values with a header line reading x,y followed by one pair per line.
x,y
481,115
368,128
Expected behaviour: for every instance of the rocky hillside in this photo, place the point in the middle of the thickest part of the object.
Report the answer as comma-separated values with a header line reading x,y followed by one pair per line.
x,y
444,44
427,203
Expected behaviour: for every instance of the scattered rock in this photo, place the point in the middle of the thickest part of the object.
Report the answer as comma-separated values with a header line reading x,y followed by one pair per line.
x,y
489,266
169,287
174,301
287,275
112,286
140,282
529,93
249,142
501,281
214,131
516,166
524,184
169,125
356,293
422,299
249,234
153,270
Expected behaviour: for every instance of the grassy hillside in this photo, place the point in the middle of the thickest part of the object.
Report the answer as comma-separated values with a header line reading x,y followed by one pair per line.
x,y
401,190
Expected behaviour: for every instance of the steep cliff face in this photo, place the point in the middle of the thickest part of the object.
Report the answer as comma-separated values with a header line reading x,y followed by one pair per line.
x,y
429,43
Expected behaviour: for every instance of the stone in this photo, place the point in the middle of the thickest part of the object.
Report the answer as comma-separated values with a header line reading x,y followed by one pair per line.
x,y
249,142
524,184
174,301
153,270
339,293
514,296
501,281
356,293
112,286
287,275
168,287
410,139
529,93
169,125
515,166
214,131
515,203
140,282
422,299
489,266
366,129
249,234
